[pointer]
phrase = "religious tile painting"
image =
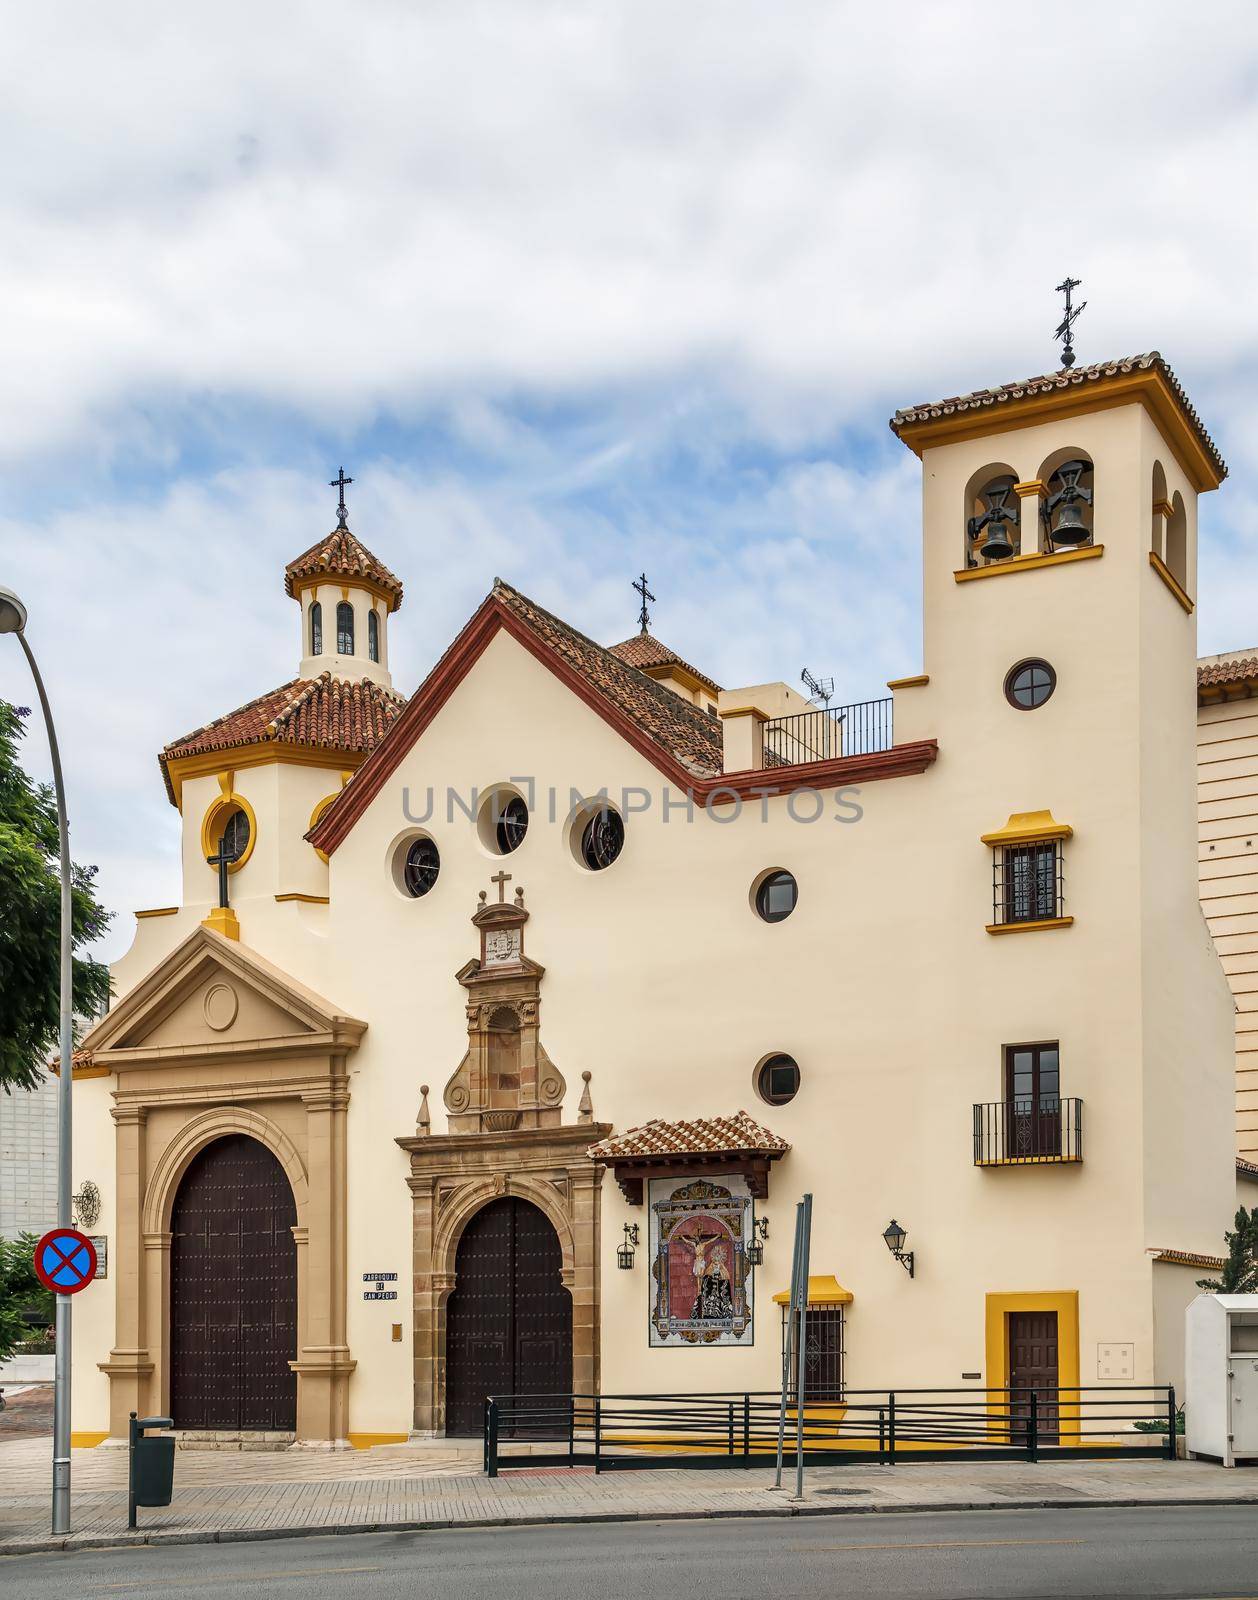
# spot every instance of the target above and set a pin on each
(701, 1282)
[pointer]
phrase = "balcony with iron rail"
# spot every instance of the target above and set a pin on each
(829, 732)
(1023, 1133)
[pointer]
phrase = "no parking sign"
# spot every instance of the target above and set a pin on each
(65, 1260)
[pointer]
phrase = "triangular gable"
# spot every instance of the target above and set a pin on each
(213, 997)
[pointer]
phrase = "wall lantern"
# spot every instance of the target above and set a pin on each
(624, 1256)
(755, 1250)
(894, 1236)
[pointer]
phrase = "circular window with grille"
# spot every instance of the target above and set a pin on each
(1029, 684)
(777, 1079)
(416, 866)
(597, 835)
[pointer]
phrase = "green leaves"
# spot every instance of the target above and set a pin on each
(30, 919)
(1240, 1270)
(24, 1301)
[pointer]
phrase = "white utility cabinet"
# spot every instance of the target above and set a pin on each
(1221, 1373)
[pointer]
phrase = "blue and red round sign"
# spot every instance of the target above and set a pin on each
(65, 1260)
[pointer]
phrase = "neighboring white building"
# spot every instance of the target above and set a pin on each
(575, 941)
(28, 1159)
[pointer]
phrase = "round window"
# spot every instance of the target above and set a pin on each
(776, 896)
(235, 837)
(1029, 684)
(421, 867)
(511, 826)
(777, 1080)
(602, 839)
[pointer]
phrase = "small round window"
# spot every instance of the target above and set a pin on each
(602, 839)
(511, 826)
(777, 1080)
(776, 896)
(234, 842)
(1030, 684)
(421, 867)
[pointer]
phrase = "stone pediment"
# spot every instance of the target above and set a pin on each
(213, 998)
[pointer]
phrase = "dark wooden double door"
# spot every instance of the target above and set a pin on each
(233, 1292)
(1033, 1367)
(509, 1318)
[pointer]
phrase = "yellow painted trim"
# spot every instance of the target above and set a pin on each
(1163, 508)
(1028, 1161)
(823, 1290)
(688, 680)
(1030, 927)
(87, 1441)
(1147, 388)
(909, 683)
(315, 816)
(327, 581)
(1026, 826)
(1035, 486)
(743, 711)
(1065, 1302)
(368, 1441)
(222, 919)
(1042, 558)
(227, 802)
(1168, 578)
(306, 899)
(209, 763)
(158, 911)
(81, 1074)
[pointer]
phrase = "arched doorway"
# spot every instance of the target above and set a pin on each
(509, 1319)
(233, 1292)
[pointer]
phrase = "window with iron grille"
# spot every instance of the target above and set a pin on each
(823, 1355)
(373, 636)
(345, 629)
(1028, 883)
(316, 629)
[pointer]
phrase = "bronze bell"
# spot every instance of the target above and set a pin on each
(1069, 502)
(998, 545)
(1070, 527)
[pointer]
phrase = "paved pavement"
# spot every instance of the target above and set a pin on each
(1202, 1551)
(223, 1496)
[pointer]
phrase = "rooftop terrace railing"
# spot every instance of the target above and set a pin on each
(860, 729)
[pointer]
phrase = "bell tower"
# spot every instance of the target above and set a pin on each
(346, 597)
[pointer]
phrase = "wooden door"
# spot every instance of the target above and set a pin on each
(509, 1318)
(233, 1292)
(1033, 1366)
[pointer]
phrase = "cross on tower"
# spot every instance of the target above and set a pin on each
(1064, 330)
(644, 616)
(339, 482)
(502, 879)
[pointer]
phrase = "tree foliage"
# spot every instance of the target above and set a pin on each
(30, 919)
(1240, 1270)
(23, 1299)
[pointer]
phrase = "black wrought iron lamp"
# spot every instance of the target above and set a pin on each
(755, 1250)
(624, 1256)
(893, 1237)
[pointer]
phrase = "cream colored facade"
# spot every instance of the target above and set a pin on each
(886, 984)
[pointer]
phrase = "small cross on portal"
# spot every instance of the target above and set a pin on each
(224, 859)
(644, 616)
(1065, 328)
(502, 879)
(339, 482)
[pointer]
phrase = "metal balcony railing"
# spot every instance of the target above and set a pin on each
(860, 729)
(1012, 1133)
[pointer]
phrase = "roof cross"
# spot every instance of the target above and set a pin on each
(339, 482)
(644, 616)
(1065, 327)
(502, 879)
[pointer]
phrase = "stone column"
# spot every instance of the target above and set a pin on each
(324, 1364)
(130, 1364)
(157, 1319)
(584, 1184)
(1031, 496)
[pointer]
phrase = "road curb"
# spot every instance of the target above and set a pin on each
(73, 1543)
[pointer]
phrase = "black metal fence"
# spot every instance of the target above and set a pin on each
(1023, 1132)
(633, 1432)
(860, 729)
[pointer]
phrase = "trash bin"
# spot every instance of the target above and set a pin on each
(151, 1474)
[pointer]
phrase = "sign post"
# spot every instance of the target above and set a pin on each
(65, 1261)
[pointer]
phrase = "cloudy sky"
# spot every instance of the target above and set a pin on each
(571, 290)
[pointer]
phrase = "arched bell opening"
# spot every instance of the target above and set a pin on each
(1160, 513)
(1068, 515)
(1177, 541)
(992, 523)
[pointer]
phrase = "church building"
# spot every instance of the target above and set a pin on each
(500, 1028)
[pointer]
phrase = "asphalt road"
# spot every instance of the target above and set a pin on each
(1190, 1551)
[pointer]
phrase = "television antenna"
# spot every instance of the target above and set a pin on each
(819, 689)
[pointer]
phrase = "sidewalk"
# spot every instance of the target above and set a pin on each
(223, 1496)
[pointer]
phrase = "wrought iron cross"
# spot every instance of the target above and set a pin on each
(644, 616)
(339, 482)
(502, 879)
(224, 859)
(1066, 326)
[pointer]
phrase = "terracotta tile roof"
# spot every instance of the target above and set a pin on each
(1189, 1258)
(1246, 1169)
(1005, 393)
(323, 713)
(736, 1135)
(645, 650)
(690, 735)
(339, 554)
(1241, 668)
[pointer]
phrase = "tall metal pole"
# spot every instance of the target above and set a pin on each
(65, 1087)
(787, 1336)
(805, 1251)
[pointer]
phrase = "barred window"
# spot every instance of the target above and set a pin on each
(345, 629)
(1028, 882)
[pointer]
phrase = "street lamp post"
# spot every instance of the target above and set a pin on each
(13, 620)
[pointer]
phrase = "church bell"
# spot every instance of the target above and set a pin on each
(1068, 502)
(997, 545)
